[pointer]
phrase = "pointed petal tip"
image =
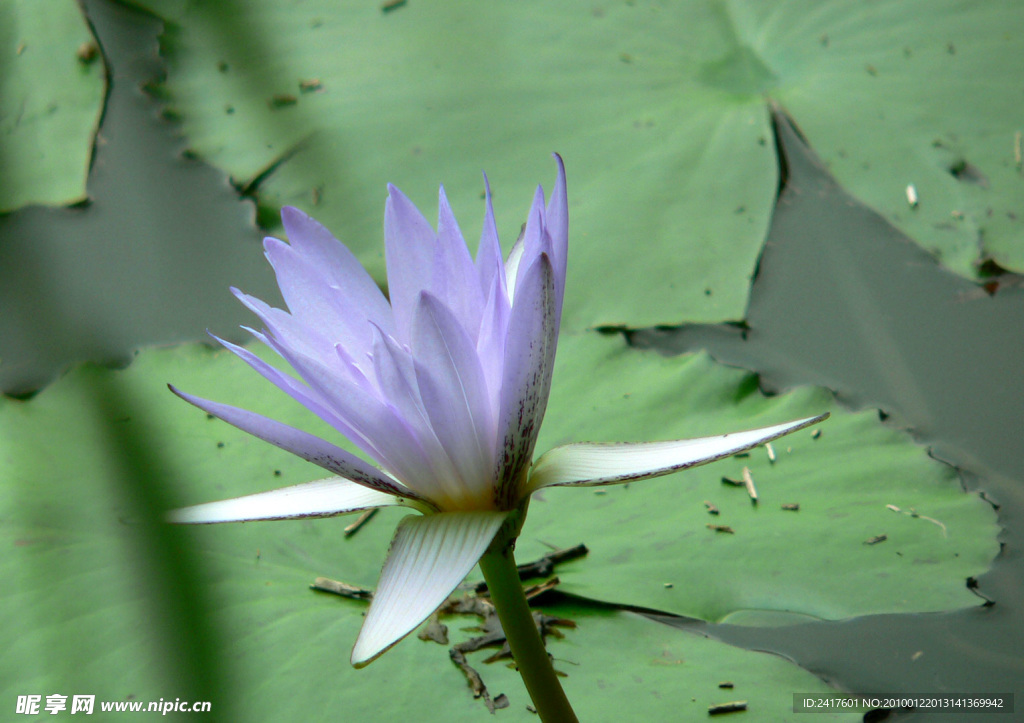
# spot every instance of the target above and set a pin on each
(230, 346)
(360, 658)
(190, 398)
(272, 244)
(559, 189)
(291, 213)
(799, 424)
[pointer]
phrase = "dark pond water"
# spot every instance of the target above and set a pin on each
(840, 300)
(843, 300)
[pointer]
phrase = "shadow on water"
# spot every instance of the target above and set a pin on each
(156, 224)
(843, 300)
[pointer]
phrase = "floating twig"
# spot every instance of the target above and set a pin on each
(475, 682)
(324, 584)
(731, 707)
(748, 482)
(917, 515)
(912, 200)
(544, 565)
(358, 524)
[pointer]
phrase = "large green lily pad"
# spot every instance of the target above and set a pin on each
(658, 107)
(103, 598)
(51, 92)
(854, 480)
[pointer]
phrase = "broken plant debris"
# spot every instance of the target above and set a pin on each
(479, 605)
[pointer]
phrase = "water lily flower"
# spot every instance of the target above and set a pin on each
(444, 386)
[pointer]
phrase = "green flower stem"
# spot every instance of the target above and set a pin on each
(499, 567)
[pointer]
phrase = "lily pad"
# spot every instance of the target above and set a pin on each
(617, 665)
(110, 601)
(51, 90)
(879, 526)
(658, 108)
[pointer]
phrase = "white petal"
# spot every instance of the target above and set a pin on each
(512, 267)
(429, 557)
(323, 498)
(589, 464)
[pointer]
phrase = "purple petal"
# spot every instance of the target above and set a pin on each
(556, 221)
(488, 254)
(289, 385)
(535, 237)
(455, 280)
(305, 445)
(331, 312)
(374, 426)
(342, 270)
(490, 344)
(533, 242)
(355, 413)
(284, 328)
(395, 372)
(454, 394)
(529, 362)
(409, 244)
